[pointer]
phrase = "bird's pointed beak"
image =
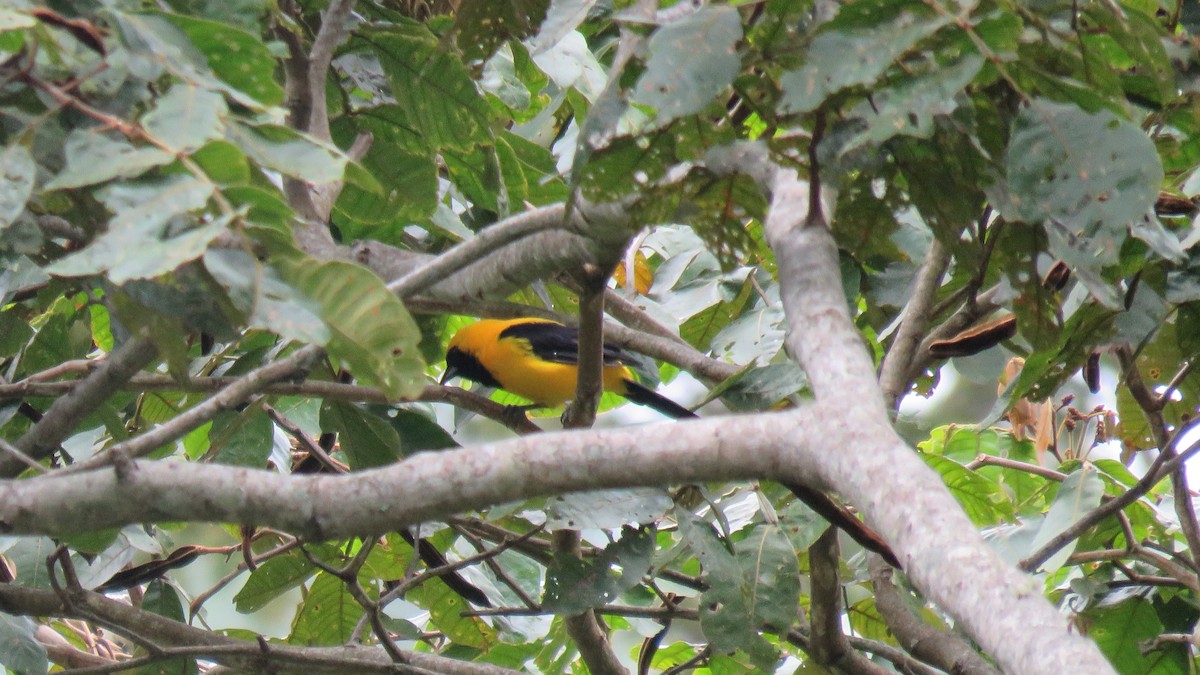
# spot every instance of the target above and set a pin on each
(451, 372)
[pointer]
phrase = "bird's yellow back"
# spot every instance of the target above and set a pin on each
(513, 363)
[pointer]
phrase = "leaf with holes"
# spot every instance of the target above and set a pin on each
(574, 585)
(691, 62)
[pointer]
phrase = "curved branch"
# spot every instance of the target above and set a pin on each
(145, 382)
(491, 238)
(895, 375)
(535, 256)
(1152, 407)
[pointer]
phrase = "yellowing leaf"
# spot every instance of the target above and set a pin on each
(643, 276)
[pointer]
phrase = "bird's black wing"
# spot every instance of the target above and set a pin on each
(557, 343)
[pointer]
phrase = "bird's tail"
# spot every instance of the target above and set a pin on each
(652, 399)
(818, 501)
(839, 517)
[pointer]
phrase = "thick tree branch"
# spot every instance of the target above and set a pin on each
(945, 557)
(589, 385)
(329, 36)
(424, 487)
(584, 628)
(305, 76)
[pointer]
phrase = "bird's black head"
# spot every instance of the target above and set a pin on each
(464, 364)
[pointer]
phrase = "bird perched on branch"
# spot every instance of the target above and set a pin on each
(538, 359)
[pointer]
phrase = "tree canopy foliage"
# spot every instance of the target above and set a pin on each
(236, 238)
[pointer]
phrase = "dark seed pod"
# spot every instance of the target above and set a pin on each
(976, 339)
(1091, 372)
(1057, 277)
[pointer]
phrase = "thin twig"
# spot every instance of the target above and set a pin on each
(60, 420)
(1157, 471)
(896, 374)
(244, 387)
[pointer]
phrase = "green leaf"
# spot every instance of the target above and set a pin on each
(19, 273)
(239, 58)
(908, 109)
(1157, 362)
(852, 52)
(289, 152)
(367, 440)
(480, 26)
(1079, 494)
(410, 184)
(28, 555)
(417, 431)
(445, 613)
(691, 62)
(1089, 174)
(759, 388)
(20, 652)
(14, 331)
(266, 210)
(242, 439)
(93, 542)
(272, 579)
(161, 599)
(772, 576)
(982, 499)
(1119, 629)
(727, 614)
(139, 243)
(607, 509)
(269, 303)
(94, 158)
(574, 585)
(18, 171)
(186, 117)
(372, 332)
(438, 105)
(528, 170)
(1144, 66)
(224, 163)
(328, 614)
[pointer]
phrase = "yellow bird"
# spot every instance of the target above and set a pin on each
(538, 359)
